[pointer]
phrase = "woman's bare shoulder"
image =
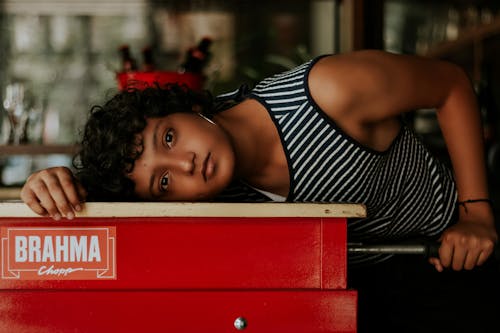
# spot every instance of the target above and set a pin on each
(347, 89)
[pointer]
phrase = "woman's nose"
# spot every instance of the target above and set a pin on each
(181, 162)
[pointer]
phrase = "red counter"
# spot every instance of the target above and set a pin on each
(177, 267)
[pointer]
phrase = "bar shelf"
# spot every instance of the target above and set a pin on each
(36, 149)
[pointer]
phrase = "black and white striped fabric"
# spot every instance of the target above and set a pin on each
(407, 192)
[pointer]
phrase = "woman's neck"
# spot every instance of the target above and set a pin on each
(242, 133)
(259, 156)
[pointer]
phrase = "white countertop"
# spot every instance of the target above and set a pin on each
(185, 209)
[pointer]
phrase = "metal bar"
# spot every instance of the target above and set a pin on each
(391, 249)
(428, 249)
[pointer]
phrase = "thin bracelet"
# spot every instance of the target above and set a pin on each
(463, 203)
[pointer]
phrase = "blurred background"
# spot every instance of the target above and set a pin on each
(59, 57)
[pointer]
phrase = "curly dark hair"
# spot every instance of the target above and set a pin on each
(112, 142)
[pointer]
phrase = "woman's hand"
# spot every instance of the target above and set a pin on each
(468, 243)
(53, 192)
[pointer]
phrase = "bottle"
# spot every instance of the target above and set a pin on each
(197, 57)
(128, 62)
(148, 64)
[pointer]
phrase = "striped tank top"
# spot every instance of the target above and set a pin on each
(407, 192)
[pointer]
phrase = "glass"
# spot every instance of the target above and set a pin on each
(17, 112)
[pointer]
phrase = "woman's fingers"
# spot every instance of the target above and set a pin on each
(31, 200)
(73, 193)
(484, 255)
(82, 194)
(53, 192)
(446, 254)
(51, 197)
(458, 257)
(436, 263)
(460, 251)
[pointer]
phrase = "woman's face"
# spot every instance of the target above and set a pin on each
(185, 158)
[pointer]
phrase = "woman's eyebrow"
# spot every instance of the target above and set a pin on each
(151, 185)
(155, 145)
(155, 134)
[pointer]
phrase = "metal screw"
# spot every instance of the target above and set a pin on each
(240, 323)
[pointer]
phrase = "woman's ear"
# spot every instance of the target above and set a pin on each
(197, 108)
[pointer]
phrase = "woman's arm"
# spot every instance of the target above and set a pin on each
(367, 90)
(470, 242)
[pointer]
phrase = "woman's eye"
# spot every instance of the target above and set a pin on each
(169, 137)
(164, 183)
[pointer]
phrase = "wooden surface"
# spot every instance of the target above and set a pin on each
(152, 209)
(34, 149)
(10, 193)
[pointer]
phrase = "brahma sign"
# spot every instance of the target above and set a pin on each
(76, 253)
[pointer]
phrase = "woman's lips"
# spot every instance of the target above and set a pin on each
(208, 167)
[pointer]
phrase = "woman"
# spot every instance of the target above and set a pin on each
(329, 130)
